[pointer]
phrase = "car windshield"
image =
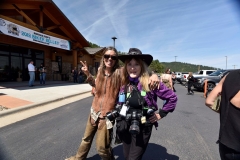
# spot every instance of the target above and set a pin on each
(217, 73)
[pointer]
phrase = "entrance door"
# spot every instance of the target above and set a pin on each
(4, 68)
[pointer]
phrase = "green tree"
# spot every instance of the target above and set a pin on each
(92, 45)
(156, 66)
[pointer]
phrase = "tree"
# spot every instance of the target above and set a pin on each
(92, 45)
(156, 66)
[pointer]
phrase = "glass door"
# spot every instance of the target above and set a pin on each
(4, 68)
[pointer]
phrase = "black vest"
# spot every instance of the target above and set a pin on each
(229, 134)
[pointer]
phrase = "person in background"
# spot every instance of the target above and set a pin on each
(166, 78)
(229, 134)
(173, 80)
(42, 74)
(80, 75)
(190, 83)
(75, 75)
(107, 86)
(141, 104)
(31, 72)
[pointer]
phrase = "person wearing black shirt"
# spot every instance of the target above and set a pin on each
(75, 74)
(80, 75)
(42, 74)
(229, 134)
(190, 83)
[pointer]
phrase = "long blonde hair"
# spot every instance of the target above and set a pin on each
(115, 74)
(144, 74)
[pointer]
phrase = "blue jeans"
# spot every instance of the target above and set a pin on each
(42, 78)
(80, 79)
(32, 78)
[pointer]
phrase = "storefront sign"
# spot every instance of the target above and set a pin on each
(15, 30)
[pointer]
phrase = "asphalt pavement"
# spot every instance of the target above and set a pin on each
(189, 133)
(18, 96)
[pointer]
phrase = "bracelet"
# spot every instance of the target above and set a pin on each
(162, 113)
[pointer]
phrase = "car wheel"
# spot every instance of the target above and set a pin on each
(210, 86)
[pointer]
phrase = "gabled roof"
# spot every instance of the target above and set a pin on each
(42, 16)
(93, 51)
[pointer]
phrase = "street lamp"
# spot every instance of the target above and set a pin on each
(114, 41)
(226, 62)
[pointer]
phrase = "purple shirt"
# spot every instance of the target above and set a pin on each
(163, 93)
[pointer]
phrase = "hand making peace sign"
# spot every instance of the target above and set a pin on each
(84, 67)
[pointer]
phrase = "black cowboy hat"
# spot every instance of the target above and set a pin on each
(136, 53)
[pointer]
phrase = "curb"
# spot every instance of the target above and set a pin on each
(15, 110)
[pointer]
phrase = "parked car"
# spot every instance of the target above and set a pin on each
(184, 76)
(213, 79)
(178, 76)
(203, 73)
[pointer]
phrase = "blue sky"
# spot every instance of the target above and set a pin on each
(197, 32)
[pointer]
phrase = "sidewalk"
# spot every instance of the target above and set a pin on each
(17, 96)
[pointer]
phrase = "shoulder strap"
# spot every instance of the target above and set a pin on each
(138, 92)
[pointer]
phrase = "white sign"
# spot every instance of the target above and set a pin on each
(15, 30)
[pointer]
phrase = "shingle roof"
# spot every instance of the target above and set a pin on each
(93, 50)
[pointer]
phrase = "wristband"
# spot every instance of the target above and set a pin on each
(162, 113)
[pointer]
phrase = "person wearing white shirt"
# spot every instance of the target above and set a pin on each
(31, 71)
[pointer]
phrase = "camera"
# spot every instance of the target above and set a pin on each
(134, 116)
(114, 114)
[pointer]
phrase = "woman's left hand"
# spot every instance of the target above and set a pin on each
(154, 82)
(154, 118)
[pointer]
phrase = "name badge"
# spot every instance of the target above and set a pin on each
(124, 110)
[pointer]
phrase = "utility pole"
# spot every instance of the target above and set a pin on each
(175, 58)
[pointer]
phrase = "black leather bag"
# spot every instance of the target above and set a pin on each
(121, 130)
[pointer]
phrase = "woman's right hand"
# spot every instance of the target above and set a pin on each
(84, 67)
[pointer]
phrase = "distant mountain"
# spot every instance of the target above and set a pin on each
(185, 67)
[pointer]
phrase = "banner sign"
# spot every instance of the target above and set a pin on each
(15, 30)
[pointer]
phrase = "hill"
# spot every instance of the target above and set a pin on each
(184, 67)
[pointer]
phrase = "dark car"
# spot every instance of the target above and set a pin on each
(213, 79)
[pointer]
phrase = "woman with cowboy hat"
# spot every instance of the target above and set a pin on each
(107, 85)
(139, 110)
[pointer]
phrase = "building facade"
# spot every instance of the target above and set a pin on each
(38, 30)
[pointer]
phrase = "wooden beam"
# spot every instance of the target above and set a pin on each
(22, 6)
(33, 27)
(57, 23)
(24, 15)
(66, 32)
(51, 16)
(20, 23)
(41, 19)
(34, 11)
(52, 27)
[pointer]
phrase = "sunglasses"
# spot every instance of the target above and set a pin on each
(107, 56)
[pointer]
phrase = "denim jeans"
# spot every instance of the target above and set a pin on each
(227, 153)
(32, 78)
(42, 78)
(80, 79)
(103, 142)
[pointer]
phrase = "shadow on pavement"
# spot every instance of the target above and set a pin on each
(153, 152)
(24, 85)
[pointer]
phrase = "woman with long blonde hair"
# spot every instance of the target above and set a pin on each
(107, 85)
(139, 104)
